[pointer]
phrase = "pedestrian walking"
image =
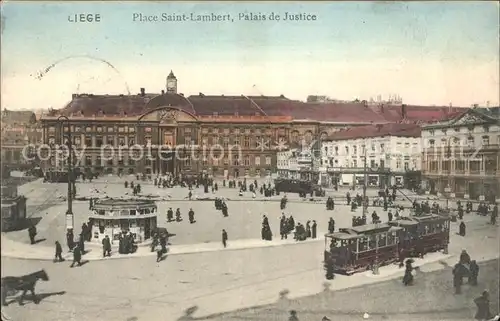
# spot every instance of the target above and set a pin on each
(77, 256)
(224, 238)
(58, 257)
(313, 229)
(483, 307)
(32, 234)
(106, 246)
(70, 240)
(81, 243)
(461, 229)
(474, 272)
(159, 253)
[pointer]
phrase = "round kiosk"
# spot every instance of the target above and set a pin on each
(114, 217)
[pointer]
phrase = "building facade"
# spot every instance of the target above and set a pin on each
(202, 131)
(384, 152)
(19, 130)
(461, 156)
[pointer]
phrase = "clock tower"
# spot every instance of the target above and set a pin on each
(171, 83)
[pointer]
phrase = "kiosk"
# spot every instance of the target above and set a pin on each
(114, 217)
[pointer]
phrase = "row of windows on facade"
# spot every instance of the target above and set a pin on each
(235, 160)
(471, 141)
(215, 130)
(248, 142)
(354, 163)
(488, 165)
(150, 170)
(469, 129)
(335, 150)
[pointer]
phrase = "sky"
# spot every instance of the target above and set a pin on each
(430, 53)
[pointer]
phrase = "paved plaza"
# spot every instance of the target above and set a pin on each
(212, 281)
(46, 201)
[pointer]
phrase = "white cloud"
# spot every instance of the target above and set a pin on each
(418, 82)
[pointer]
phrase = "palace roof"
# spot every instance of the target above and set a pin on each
(89, 105)
(379, 130)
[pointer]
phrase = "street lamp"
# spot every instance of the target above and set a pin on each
(70, 221)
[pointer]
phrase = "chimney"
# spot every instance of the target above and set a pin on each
(163, 92)
(143, 92)
(403, 111)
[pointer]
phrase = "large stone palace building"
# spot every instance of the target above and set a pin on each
(197, 123)
(461, 156)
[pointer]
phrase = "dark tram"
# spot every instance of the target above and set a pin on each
(357, 249)
(298, 186)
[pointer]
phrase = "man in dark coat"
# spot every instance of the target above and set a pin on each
(106, 246)
(81, 243)
(191, 216)
(32, 234)
(331, 225)
(224, 238)
(313, 229)
(58, 256)
(474, 272)
(283, 227)
(308, 229)
(389, 216)
(170, 215)
(70, 239)
(224, 209)
(483, 307)
(461, 229)
(77, 256)
(458, 278)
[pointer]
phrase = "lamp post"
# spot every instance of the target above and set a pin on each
(70, 220)
(375, 269)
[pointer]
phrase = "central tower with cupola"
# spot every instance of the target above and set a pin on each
(171, 83)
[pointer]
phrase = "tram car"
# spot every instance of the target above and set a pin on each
(356, 249)
(297, 186)
(423, 234)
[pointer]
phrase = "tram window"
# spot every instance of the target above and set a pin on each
(116, 224)
(101, 229)
(147, 211)
(363, 244)
(141, 211)
(343, 243)
(124, 212)
(391, 238)
(372, 242)
(382, 241)
(426, 229)
(100, 212)
(132, 212)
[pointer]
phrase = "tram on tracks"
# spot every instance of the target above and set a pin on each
(356, 249)
(423, 234)
(302, 187)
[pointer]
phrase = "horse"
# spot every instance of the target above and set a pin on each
(12, 284)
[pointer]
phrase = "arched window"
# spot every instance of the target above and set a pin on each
(295, 136)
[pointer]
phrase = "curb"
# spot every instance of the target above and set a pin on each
(68, 256)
